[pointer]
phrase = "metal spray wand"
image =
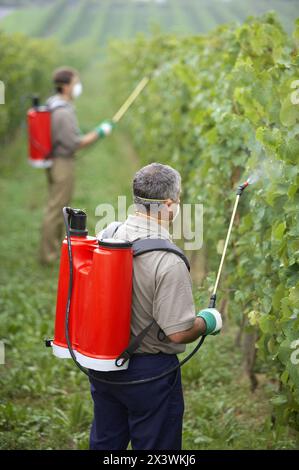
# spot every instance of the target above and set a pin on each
(213, 297)
(127, 104)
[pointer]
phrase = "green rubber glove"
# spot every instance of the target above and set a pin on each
(213, 320)
(105, 128)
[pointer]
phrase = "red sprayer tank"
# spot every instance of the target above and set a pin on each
(39, 136)
(100, 312)
(105, 329)
(82, 249)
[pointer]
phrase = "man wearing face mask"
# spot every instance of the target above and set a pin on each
(66, 140)
(150, 415)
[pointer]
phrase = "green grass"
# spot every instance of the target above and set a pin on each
(220, 411)
(70, 24)
(56, 19)
(85, 20)
(26, 21)
(99, 20)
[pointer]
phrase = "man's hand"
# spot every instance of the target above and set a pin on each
(213, 320)
(104, 129)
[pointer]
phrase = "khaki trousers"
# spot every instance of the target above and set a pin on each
(61, 186)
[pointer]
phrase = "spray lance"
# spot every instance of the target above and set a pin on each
(67, 214)
(139, 88)
(105, 127)
(136, 92)
(134, 95)
(240, 190)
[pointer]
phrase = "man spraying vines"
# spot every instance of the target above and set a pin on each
(150, 415)
(66, 140)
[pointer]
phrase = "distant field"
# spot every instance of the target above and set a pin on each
(99, 20)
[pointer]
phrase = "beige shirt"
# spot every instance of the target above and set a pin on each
(162, 289)
(64, 127)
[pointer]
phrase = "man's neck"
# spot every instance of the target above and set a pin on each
(162, 222)
(64, 97)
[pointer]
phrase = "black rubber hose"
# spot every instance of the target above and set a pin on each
(67, 317)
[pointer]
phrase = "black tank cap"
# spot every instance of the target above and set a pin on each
(77, 222)
(113, 243)
(35, 101)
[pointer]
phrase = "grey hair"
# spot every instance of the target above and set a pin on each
(156, 181)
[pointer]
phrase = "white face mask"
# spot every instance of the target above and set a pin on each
(77, 90)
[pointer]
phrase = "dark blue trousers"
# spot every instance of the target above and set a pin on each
(149, 415)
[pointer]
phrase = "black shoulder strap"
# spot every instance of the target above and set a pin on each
(141, 246)
(145, 245)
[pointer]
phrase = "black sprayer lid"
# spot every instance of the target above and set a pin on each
(35, 101)
(114, 243)
(77, 223)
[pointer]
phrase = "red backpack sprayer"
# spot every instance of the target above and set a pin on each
(39, 127)
(39, 135)
(93, 311)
